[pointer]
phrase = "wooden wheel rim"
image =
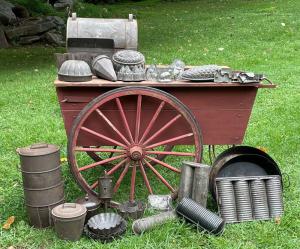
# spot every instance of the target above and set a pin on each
(118, 93)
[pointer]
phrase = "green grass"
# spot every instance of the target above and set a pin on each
(253, 39)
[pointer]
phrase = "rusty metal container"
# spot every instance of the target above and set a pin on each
(69, 220)
(42, 181)
(98, 34)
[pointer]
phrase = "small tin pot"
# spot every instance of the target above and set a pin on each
(68, 219)
(92, 205)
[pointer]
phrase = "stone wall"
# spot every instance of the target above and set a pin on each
(18, 28)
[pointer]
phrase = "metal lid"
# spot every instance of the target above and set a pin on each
(89, 201)
(69, 210)
(128, 57)
(38, 149)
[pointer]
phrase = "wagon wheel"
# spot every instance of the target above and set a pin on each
(138, 142)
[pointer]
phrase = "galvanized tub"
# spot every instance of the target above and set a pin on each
(69, 220)
(42, 181)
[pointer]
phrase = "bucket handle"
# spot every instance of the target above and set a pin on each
(39, 146)
(69, 205)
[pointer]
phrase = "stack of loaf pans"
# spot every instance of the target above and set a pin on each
(249, 198)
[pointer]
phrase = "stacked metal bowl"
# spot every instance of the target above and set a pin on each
(105, 227)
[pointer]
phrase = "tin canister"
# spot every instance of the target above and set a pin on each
(42, 181)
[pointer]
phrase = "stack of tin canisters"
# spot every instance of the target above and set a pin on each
(249, 198)
(42, 182)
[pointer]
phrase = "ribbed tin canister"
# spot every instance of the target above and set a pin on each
(274, 193)
(200, 216)
(259, 199)
(42, 181)
(243, 200)
(226, 200)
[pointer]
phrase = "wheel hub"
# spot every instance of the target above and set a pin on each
(136, 153)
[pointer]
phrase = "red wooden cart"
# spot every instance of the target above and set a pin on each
(148, 127)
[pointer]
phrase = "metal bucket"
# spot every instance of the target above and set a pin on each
(69, 220)
(42, 181)
(240, 161)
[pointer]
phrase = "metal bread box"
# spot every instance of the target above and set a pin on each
(88, 37)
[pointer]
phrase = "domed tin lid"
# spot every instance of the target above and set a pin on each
(69, 210)
(89, 201)
(128, 57)
(38, 149)
(75, 71)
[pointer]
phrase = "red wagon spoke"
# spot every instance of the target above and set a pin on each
(101, 162)
(99, 150)
(138, 118)
(116, 167)
(111, 125)
(145, 178)
(94, 185)
(163, 180)
(155, 116)
(174, 153)
(169, 140)
(124, 172)
(121, 110)
(167, 125)
(163, 164)
(132, 187)
(97, 134)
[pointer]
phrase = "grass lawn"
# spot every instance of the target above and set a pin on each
(260, 36)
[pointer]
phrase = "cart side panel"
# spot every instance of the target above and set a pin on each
(223, 113)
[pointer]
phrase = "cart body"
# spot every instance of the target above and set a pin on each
(221, 109)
